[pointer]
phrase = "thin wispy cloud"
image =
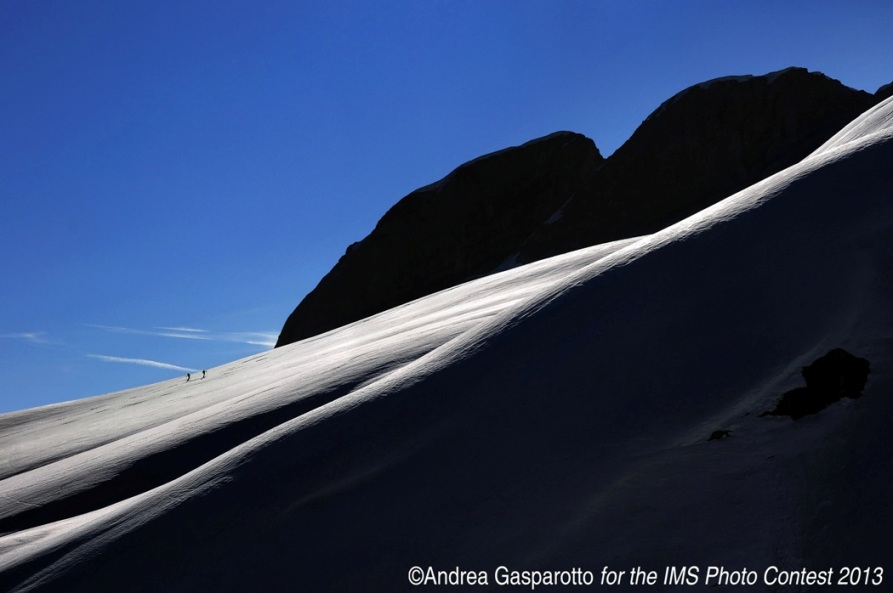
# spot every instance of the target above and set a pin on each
(32, 337)
(266, 339)
(180, 335)
(184, 334)
(140, 361)
(255, 338)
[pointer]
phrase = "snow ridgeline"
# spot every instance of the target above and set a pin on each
(549, 417)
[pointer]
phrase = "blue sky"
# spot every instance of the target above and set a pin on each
(175, 176)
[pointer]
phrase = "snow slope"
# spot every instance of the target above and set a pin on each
(549, 417)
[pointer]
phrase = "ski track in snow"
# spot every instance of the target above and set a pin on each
(551, 415)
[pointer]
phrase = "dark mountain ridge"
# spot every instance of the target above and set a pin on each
(700, 146)
(557, 194)
(448, 232)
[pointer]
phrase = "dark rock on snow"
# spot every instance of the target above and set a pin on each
(556, 194)
(830, 378)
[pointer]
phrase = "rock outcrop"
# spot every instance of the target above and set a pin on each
(443, 234)
(829, 379)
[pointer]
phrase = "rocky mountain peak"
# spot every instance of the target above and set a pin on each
(456, 229)
(701, 145)
(556, 194)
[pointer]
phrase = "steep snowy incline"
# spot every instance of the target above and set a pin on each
(65, 459)
(569, 428)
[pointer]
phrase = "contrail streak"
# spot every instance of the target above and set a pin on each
(140, 361)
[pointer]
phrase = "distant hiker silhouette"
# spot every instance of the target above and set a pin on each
(203, 374)
(188, 376)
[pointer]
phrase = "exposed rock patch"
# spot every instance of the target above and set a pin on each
(829, 379)
(718, 435)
